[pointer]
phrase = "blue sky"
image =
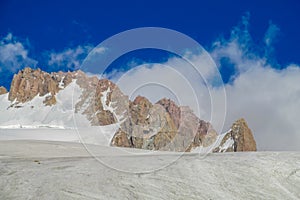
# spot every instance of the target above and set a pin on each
(44, 27)
(255, 45)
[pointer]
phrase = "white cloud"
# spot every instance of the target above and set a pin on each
(14, 55)
(99, 50)
(70, 58)
(270, 39)
(271, 34)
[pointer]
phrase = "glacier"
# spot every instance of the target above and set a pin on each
(64, 170)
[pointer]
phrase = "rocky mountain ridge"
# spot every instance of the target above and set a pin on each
(160, 126)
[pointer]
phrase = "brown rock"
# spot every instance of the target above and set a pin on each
(163, 126)
(29, 83)
(240, 137)
(243, 137)
(147, 126)
(165, 138)
(3, 90)
(50, 100)
(139, 110)
(205, 134)
(101, 100)
(68, 78)
(103, 116)
(121, 140)
(172, 109)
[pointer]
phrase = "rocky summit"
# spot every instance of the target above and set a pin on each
(29, 83)
(238, 138)
(163, 125)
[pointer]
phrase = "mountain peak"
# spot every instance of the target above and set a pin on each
(243, 137)
(141, 99)
(238, 138)
(28, 83)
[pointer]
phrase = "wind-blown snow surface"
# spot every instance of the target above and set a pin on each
(91, 135)
(47, 170)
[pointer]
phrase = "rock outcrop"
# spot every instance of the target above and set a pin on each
(203, 133)
(146, 126)
(162, 126)
(239, 138)
(29, 83)
(3, 90)
(101, 101)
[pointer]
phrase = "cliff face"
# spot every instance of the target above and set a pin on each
(201, 132)
(160, 126)
(29, 83)
(146, 126)
(242, 136)
(239, 138)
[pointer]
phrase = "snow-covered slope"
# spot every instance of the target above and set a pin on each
(34, 113)
(45, 170)
(91, 135)
(203, 150)
(33, 120)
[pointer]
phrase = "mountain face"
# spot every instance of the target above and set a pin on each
(238, 138)
(162, 126)
(141, 124)
(29, 83)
